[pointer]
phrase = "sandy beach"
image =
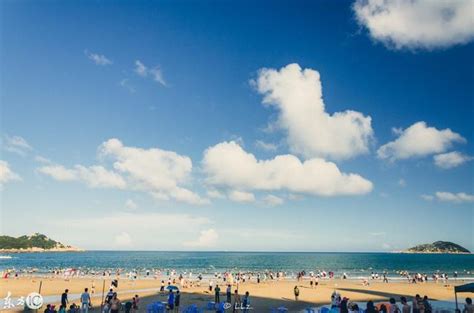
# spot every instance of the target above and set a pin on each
(263, 296)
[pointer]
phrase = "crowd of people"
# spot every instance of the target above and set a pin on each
(225, 289)
(417, 305)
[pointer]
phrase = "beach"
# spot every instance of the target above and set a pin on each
(264, 295)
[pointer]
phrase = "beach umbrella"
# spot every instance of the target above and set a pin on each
(463, 288)
(172, 288)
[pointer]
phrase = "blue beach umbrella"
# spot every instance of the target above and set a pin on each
(173, 288)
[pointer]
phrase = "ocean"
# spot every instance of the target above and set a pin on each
(354, 264)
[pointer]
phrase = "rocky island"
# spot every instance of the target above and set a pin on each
(438, 247)
(33, 243)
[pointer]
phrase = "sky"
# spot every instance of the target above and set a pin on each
(238, 126)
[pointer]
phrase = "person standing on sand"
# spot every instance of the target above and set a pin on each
(115, 304)
(228, 294)
(406, 308)
(171, 300)
(85, 301)
(237, 302)
(217, 297)
(246, 302)
(415, 304)
(343, 305)
(135, 302)
(64, 300)
(468, 307)
(393, 306)
(296, 291)
(370, 308)
(427, 305)
(177, 301)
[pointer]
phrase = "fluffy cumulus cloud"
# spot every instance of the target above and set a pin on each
(207, 239)
(415, 24)
(427, 197)
(6, 174)
(16, 144)
(459, 197)
(419, 140)
(160, 172)
(272, 200)
(98, 59)
(155, 73)
(215, 194)
(312, 132)
(241, 196)
(93, 176)
(228, 165)
(451, 159)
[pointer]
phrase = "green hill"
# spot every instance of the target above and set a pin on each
(438, 247)
(35, 241)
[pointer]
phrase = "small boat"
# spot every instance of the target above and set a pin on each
(5, 257)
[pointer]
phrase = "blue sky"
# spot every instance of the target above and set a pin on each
(132, 125)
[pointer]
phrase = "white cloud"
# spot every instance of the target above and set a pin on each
(296, 197)
(414, 24)
(451, 159)
(146, 229)
(216, 194)
(272, 200)
(241, 196)
(155, 73)
(131, 205)
(266, 146)
(58, 172)
(41, 159)
(98, 176)
(207, 238)
(312, 132)
(227, 164)
(140, 68)
(123, 239)
(419, 140)
(98, 59)
(93, 176)
(427, 197)
(125, 84)
(454, 197)
(16, 144)
(160, 172)
(6, 174)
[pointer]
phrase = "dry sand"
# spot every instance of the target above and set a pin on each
(263, 296)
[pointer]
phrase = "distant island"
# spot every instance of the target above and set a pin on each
(33, 243)
(438, 247)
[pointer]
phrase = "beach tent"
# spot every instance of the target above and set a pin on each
(463, 288)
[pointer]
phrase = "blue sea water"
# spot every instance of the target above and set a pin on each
(354, 264)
